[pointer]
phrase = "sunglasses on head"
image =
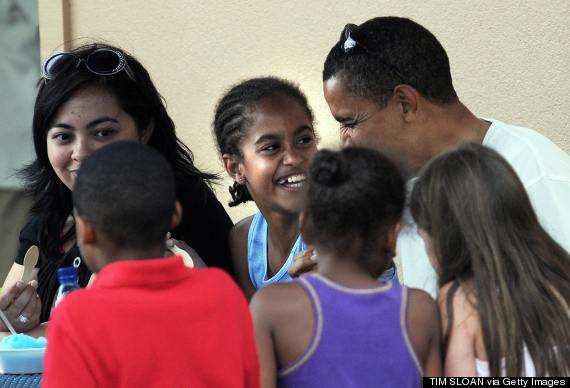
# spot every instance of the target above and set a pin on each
(349, 34)
(102, 61)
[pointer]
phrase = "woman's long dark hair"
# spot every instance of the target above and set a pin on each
(140, 99)
(484, 230)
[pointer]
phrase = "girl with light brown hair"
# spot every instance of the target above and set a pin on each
(504, 282)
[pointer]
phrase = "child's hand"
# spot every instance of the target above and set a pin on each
(196, 259)
(304, 262)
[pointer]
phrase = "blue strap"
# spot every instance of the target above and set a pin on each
(257, 254)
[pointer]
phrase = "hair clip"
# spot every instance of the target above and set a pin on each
(349, 43)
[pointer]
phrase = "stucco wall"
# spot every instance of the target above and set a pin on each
(509, 59)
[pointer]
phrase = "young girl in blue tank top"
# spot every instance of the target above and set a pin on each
(264, 130)
(265, 134)
(342, 327)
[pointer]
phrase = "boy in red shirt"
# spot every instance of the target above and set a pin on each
(147, 320)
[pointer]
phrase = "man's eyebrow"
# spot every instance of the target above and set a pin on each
(343, 119)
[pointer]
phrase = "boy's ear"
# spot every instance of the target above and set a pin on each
(393, 233)
(408, 100)
(84, 230)
(233, 167)
(176, 216)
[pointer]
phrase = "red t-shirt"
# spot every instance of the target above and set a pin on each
(153, 323)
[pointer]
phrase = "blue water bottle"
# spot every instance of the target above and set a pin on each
(68, 282)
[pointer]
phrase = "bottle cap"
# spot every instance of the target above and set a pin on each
(67, 272)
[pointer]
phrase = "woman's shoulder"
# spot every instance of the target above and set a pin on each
(30, 228)
(29, 235)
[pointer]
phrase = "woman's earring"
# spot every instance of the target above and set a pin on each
(241, 180)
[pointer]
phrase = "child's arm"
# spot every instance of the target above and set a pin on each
(238, 249)
(423, 321)
(260, 306)
(460, 352)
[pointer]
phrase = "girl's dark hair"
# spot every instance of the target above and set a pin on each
(140, 99)
(354, 197)
(373, 58)
(484, 229)
(234, 115)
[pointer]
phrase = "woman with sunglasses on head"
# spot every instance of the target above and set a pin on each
(90, 97)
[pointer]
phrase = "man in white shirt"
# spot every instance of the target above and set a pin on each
(388, 83)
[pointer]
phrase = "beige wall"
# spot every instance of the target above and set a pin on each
(509, 59)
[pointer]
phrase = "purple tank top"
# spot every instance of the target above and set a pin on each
(360, 339)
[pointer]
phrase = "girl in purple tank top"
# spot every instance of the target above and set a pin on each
(342, 327)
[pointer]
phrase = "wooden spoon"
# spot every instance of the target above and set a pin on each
(30, 261)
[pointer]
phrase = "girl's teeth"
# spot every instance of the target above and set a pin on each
(295, 179)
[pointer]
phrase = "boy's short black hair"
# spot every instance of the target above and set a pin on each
(376, 56)
(127, 191)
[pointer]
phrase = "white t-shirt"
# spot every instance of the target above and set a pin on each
(544, 170)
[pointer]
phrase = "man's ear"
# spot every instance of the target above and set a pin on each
(84, 231)
(176, 216)
(233, 167)
(393, 233)
(408, 99)
(147, 133)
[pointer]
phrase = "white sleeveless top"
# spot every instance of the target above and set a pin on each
(482, 367)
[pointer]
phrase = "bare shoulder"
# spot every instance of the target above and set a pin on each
(422, 309)
(442, 296)
(424, 331)
(240, 230)
(464, 307)
(278, 301)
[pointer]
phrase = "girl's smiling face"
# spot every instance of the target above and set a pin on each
(89, 120)
(277, 150)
